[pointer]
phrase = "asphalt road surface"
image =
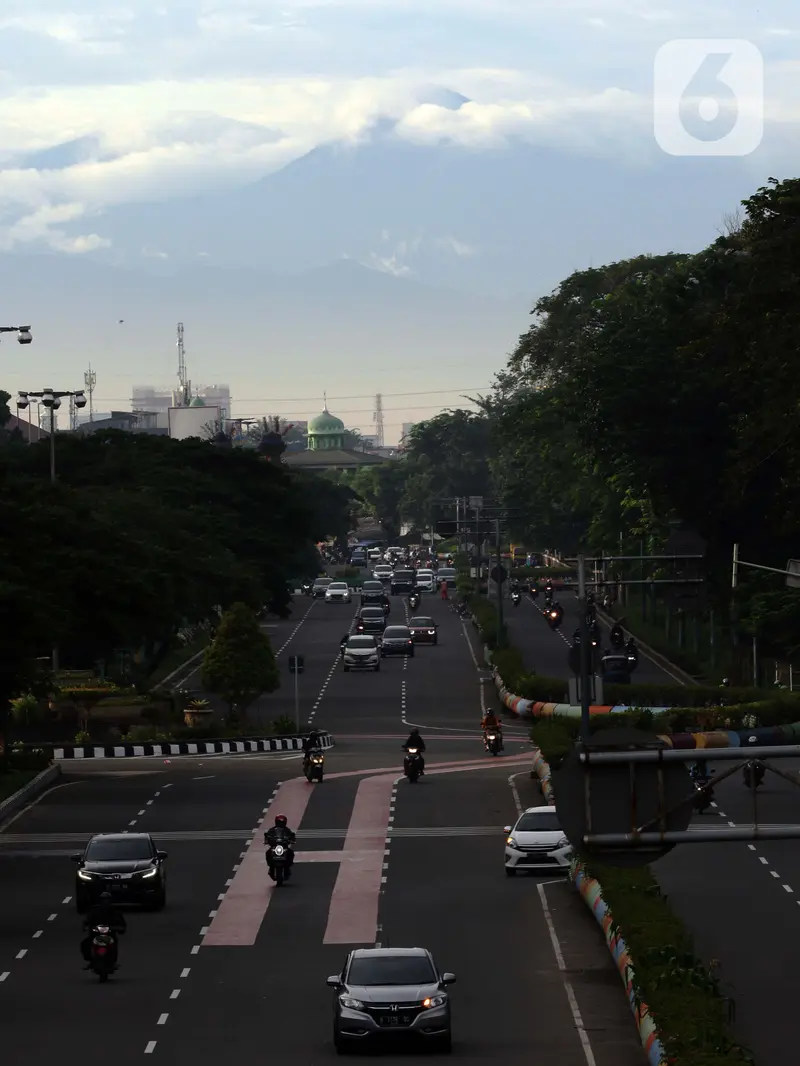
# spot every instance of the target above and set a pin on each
(545, 650)
(741, 903)
(230, 970)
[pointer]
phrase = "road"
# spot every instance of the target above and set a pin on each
(741, 902)
(545, 651)
(226, 971)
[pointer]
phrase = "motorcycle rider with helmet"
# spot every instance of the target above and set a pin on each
(102, 913)
(312, 742)
(280, 833)
(490, 723)
(416, 741)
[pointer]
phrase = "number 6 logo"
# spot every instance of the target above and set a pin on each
(708, 97)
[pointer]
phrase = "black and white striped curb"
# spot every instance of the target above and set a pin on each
(185, 747)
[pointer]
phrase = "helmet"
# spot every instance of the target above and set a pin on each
(752, 740)
(281, 820)
(105, 897)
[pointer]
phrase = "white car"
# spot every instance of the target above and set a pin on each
(374, 553)
(383, 572)
(426, 580)
(338, 592)
(361, 652)
(531, 843)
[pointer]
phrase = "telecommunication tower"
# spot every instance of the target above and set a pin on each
(183, 397)
(377, 418)
(90, 380)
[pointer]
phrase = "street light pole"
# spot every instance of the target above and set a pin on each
(23, 333)
(51, 399)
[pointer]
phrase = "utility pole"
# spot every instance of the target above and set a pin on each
(586, 653)
(90, 380)
(501, 628)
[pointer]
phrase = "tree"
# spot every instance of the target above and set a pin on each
(239, 665)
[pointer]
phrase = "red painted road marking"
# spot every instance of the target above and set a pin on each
(333, 856)
(353, 914)
(239, 916)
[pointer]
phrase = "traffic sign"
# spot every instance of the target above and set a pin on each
(297, 664)
(498, 574)
(658, 795)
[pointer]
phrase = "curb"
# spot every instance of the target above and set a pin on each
(592, 894)
(183, 747)
(34, 788)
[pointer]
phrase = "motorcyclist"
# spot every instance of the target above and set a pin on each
(490, 723)
(416, 741)
(280, 833)
(312, 742)
(443, 589)
(102, 913)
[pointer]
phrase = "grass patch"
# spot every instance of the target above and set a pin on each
(177, 656)
(14, 780)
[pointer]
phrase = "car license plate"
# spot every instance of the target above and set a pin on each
(395, 1019)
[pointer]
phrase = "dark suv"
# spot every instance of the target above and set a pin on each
(128, 865)
(403, 581)
(373, 594)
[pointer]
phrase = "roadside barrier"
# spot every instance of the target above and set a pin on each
(592, 895)
(533, 709)
(185, 747)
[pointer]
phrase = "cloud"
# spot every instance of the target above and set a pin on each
(105, 104)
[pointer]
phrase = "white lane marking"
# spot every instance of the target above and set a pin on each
(774, 874)
(514, 791)
(577, 1018)
(140, 813)
(66, 899)
(37, 934)
(162, 1019)
(21, 954)
(151, 1046)
(185, 971)
(752, 847)
(52, 917)
(195, 950)
(787, 888)
(4, 976)
(732, 825)
(174, 993)
(762, 859)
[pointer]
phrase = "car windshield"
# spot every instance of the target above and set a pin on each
(404, 573)
(396, 631)
(361, 642)
(338, 586)
(545, 821)
(421, 623)
(372, 612)
(372, 586)
(118, 850)
(391, 970)
(323, 581)
(444, 572)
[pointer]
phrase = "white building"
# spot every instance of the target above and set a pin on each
(216, 396)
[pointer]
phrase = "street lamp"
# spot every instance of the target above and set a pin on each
(23, 333)
(51, 399)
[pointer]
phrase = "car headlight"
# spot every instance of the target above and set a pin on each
(431, 632)
(563, 843)
(350, 1003)
(151, 872)
(511, 841)
(434, 1001)
(84, 875)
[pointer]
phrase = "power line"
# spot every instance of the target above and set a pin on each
(310, 399)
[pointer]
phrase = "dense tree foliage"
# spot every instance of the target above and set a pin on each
(141, 535)
(239, 664)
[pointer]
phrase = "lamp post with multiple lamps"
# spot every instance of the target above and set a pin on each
(51, 399)
(23, 333)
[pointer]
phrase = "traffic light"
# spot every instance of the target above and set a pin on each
(554, 615)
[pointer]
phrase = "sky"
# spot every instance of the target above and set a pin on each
(165, 100)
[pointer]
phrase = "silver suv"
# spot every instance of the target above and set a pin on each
(361, 653)
(391, 993)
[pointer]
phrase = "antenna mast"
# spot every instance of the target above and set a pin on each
(184, 395)
(377, 418)
(90, 380)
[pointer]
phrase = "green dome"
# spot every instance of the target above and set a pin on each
(326, 423)
(198, 401)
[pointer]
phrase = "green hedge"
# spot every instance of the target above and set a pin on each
(525, 573)
(682, 994)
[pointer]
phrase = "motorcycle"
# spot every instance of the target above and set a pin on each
(515, 598)
(703, 794)
(753, 774)
(103, 958)
(493, 743)
(315, 766)
(412, 765)
(413, 601)
(306, 588)
(279, 859)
